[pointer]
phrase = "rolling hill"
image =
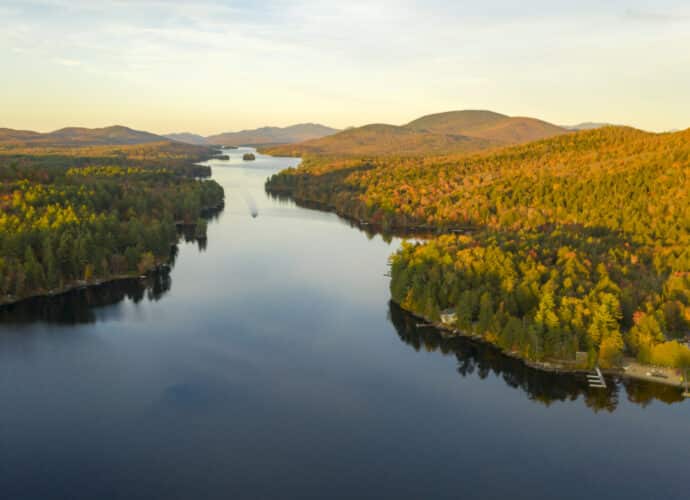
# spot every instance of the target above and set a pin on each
(272, 135)
(450, 132)
(79, 136)
(11, 135)
(378, 139)
(453, 122)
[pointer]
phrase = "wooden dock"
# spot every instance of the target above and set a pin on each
(596, 379)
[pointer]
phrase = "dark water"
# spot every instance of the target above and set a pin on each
(269, 364)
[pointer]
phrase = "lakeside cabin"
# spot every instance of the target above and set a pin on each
(449, 317)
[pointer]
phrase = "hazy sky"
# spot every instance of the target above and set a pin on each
(211, 66)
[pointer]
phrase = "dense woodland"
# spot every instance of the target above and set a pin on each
(75, 215)
(575, 243)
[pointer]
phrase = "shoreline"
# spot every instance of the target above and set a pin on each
(162, 268)
(395, 230)
(449, 332)
(632, 370)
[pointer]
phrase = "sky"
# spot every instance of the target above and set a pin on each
(213, 66)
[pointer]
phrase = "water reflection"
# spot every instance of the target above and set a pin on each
(483, 360)
(369, 229)
(80, 306)
(188, 234)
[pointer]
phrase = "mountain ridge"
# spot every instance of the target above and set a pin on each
(446, 132)
(122, 135)
(188, 138)
(79, 136)
(272, 135)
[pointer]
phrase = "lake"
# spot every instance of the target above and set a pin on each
(270, 364)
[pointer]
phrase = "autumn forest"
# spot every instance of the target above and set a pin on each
(75, 215)
(574, 243)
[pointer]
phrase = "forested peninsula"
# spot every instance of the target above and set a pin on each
(73, 215)
(578, 243)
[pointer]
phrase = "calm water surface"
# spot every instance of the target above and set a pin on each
(271, 365)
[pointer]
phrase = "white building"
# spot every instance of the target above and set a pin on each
(449, 317)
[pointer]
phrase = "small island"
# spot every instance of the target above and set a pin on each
(248, 157)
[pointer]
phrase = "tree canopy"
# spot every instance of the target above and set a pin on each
(79, 217)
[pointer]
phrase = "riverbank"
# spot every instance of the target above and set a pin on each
(348, 206)
(631, 369)
(162, 266)
(83, 284)
(356, 214)
(402, 231)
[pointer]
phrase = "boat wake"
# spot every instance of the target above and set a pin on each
(251, 204)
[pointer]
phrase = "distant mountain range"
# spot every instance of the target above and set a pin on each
(273, 135)
(79, 136)
(588, 126)
(454, 131)
(119, 135)
(189, 138)
(259, 137)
